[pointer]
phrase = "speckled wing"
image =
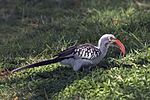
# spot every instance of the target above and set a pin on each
(87, 51)
(83, 51)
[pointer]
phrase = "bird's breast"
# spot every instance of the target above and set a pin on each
(97, 60)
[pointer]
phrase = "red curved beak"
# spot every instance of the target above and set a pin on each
(121, 46)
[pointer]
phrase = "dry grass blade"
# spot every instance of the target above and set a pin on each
(139, 4)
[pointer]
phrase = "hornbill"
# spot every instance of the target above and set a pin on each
(83, 55)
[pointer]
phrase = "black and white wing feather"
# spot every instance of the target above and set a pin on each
(83, 51)
(87, 51)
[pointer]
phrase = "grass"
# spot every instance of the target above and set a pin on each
(32, 31)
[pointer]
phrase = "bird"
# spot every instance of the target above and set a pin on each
(83, 55)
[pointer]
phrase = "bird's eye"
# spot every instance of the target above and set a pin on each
(110, 39)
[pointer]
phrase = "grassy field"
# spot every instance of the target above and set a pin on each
(35, 30)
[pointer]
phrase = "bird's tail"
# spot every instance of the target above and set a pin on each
(46, 62)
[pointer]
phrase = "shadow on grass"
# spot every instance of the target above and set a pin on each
(47, 84)
(53, 82)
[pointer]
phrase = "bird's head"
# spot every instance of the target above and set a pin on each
(108, 40)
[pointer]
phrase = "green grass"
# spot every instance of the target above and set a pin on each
(32, 31)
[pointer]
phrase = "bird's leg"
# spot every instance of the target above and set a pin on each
(77, 74)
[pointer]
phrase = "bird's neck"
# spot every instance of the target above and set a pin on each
(103, 48)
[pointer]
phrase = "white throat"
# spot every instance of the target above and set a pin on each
(102, 46)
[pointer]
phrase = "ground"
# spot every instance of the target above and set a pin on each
(36, 30)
